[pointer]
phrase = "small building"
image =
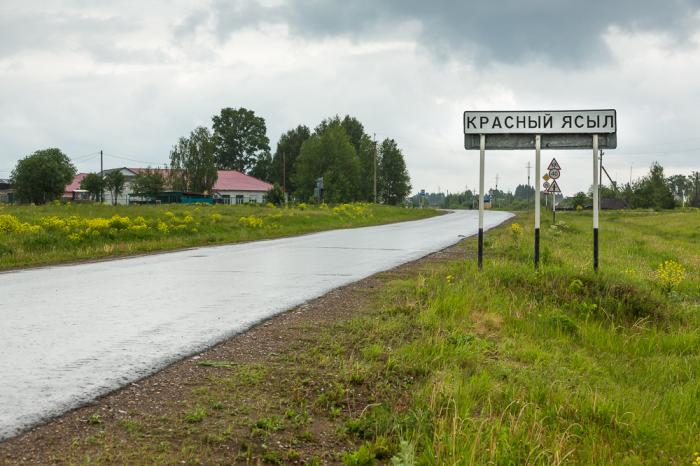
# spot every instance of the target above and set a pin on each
(7, 192)
(231, 187)
(234, 187)
(73, 192)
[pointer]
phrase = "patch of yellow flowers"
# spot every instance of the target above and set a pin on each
(516, 230)
(670, 275)
(77, 228)
(251, 221)
(353, 210)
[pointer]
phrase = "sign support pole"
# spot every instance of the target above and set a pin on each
(538, 144)
(482, 160)
(595, 202)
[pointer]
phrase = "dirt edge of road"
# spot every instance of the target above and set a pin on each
(80, 435)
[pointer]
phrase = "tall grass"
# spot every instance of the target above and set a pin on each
(562, 365)
(35, 235)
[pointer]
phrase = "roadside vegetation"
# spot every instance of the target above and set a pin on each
(446, 365)
(54, 233)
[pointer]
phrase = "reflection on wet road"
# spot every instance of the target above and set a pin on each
(71, 333)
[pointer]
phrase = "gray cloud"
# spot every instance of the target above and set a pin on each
(566, 32)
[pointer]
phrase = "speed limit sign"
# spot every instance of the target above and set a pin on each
(554, 173)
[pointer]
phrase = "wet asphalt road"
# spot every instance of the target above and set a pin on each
(71, 333)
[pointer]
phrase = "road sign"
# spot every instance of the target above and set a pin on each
(537, 130)
(565, 129)
(545, 185)
(554, 187)
(546, 177)
(554, 165)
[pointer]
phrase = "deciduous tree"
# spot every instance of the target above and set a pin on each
(193, 164)
(288, 149)
(394, 181)
(114, 182)
(240, 138)
(94, 184)
(42, 176)
(328, 154)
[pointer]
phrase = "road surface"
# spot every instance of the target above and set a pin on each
(71, 333)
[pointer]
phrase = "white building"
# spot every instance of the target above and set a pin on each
(231, 187)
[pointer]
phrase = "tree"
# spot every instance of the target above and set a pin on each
(42, 176)
(114, 183)
(263, 168)
(580, 199)
(94, 184)
(652, 190)
(288, 149)
(192, 162)
(148, 182)
(695, 189)
(240, 138)
(681, 186)
(394, 183)
(524, 192)
(275, 195)
(328, 154)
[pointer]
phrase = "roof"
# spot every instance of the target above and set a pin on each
(75, 184)
(232, 180)
(228, 180)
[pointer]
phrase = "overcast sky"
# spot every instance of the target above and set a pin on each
(132, 77)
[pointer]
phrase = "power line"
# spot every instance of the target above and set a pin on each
(132, 160)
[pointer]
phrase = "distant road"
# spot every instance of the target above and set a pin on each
(71, 333)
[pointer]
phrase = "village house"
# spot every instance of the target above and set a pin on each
(231, 187)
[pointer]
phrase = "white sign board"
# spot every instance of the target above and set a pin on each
(541, 122)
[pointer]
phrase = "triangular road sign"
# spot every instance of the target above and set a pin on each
(553, 188)
(553, 165)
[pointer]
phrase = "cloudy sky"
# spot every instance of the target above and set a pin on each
(131, 77)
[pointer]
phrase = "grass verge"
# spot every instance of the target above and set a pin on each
(445, 365)
(50, 234)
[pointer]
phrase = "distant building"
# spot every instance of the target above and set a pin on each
(73, 192)
(231, 187)
(7, 193)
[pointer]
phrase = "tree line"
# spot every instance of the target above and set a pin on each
(652, 191)
(338, 150)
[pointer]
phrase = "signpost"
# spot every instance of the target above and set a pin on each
(522, 130)
(554, 172)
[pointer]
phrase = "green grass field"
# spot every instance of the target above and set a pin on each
(447, 365)
(513, 366)
(40, 235)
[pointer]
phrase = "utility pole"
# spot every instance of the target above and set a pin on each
(102, 175)
(528, 166)
(375, 167)
(600, 174)
(284, 176)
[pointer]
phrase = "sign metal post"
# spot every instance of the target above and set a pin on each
(595, 202)
(527, 130)
(482, 160)
(538, 148)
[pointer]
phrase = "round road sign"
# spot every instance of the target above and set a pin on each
(554, 173)
(545, 185)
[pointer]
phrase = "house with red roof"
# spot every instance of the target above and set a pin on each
(231, 187)
(73, 192)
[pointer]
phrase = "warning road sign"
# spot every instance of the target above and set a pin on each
(553, 188)
(554, 165)
(546, 177)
